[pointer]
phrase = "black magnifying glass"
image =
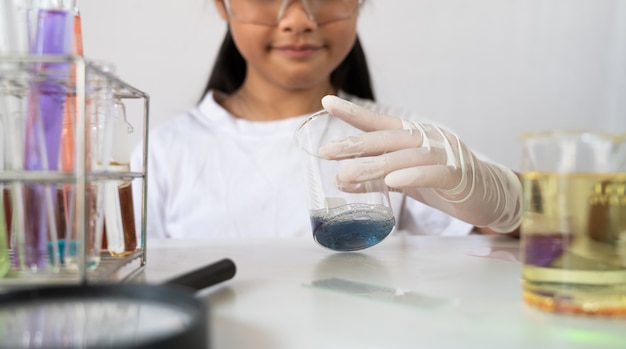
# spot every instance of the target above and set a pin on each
(112, 315)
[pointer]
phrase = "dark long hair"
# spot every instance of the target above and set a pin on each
(351, 76)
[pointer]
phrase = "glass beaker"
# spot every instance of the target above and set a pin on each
(573, 231)
(341, 219)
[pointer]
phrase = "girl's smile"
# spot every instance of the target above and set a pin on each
(297, 51)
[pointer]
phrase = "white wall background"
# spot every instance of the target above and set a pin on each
(488, 69)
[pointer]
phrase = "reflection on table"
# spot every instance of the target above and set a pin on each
(407, 292)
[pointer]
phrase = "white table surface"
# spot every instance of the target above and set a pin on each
(463, 292)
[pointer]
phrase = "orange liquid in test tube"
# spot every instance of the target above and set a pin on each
(68, 146)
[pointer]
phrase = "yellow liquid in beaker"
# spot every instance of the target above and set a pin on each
(574, 242)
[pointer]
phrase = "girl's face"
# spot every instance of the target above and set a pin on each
(297, 53)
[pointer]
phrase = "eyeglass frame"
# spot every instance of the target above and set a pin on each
(283, 10)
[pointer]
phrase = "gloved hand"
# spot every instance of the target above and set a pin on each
(427, 163)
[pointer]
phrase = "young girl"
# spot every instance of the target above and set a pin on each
(229, 167)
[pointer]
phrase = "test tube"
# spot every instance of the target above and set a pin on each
(4, 251)
(120, 219)
(68, 147)
(44, 121)
(98, 113)
(13, 27)
(16, 29)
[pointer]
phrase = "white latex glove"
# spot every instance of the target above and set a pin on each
(427, 163)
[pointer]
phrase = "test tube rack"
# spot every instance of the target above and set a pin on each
(17, 74)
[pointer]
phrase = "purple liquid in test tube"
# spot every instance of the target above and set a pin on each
(43, 130)
(54, 34)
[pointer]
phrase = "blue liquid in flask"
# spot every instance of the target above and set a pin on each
(352, 227)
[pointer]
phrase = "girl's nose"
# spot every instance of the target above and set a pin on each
(297, 10)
